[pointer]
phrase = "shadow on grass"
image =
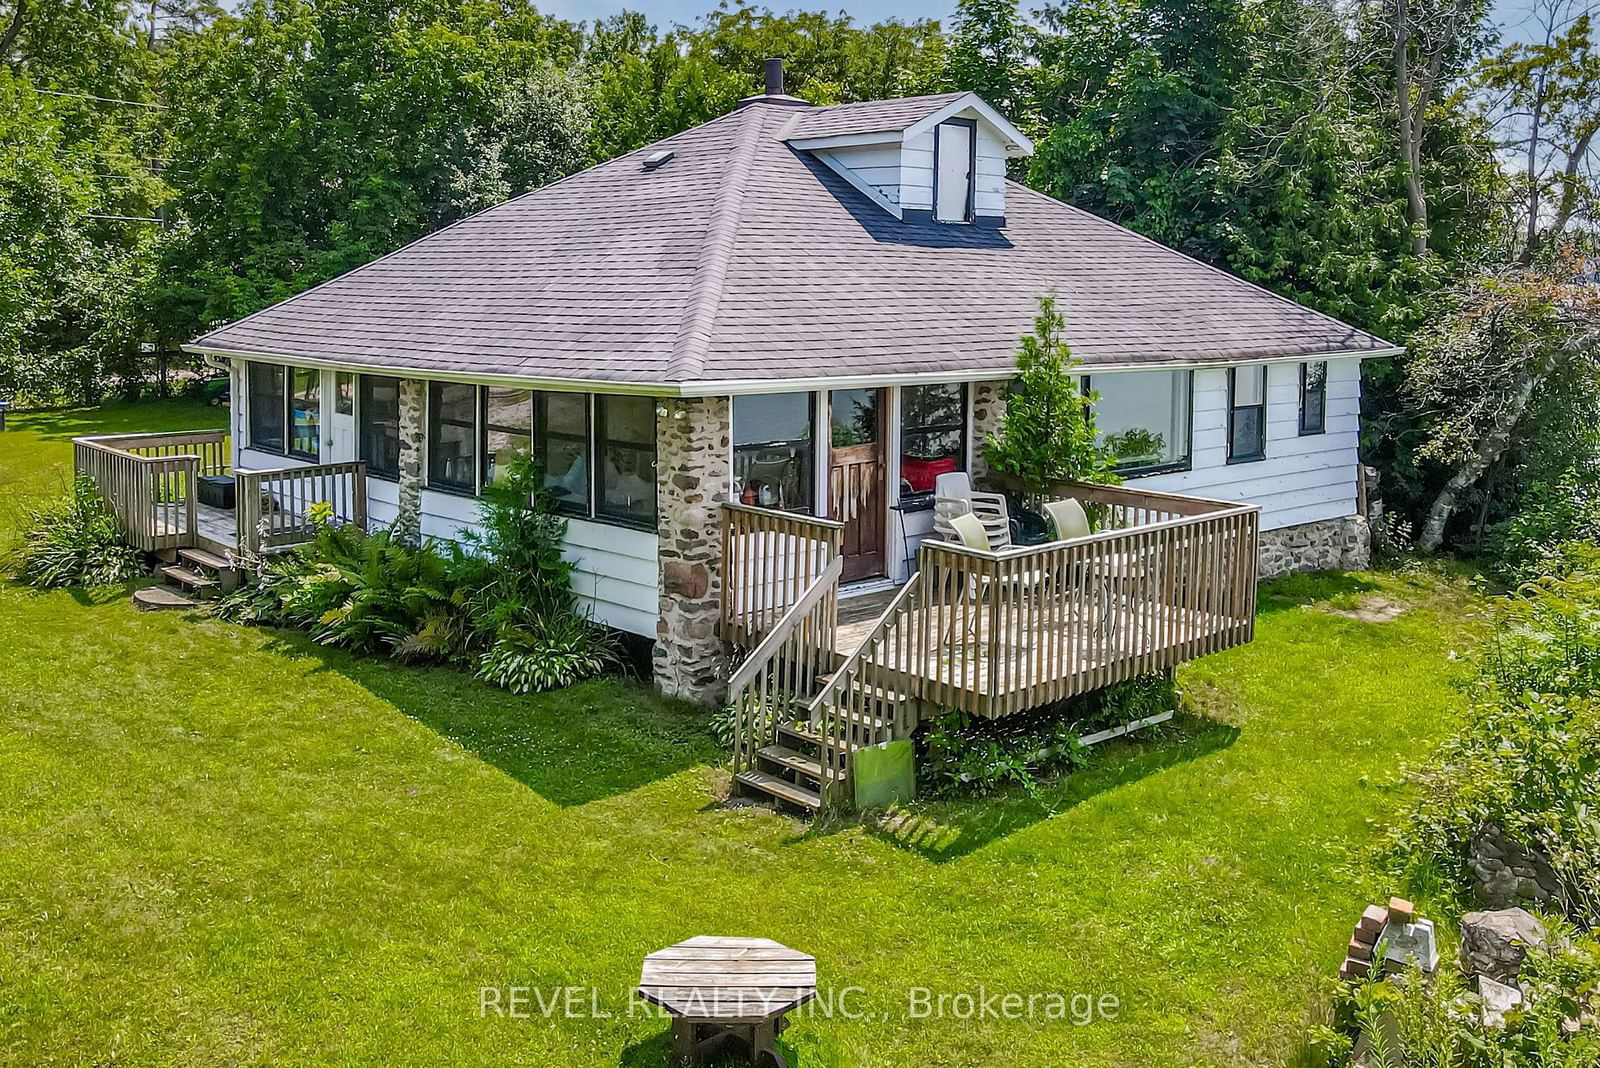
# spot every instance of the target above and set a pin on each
(61, 424)
(942, 831)
(598, 739)
(1294, 591)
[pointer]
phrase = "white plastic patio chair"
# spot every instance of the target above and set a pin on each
(953, 495)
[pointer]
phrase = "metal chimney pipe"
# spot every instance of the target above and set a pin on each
(774, 73)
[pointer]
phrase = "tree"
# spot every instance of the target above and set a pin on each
(1481, 368)
(1546, 102)
(988, 54)
(1047, 435)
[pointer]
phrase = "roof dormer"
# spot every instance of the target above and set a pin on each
(919, 158)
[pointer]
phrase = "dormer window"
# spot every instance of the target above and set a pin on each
(954, 161)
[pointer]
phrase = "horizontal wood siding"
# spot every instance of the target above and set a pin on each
(916, 171)
(1303, 479)
(876, 165)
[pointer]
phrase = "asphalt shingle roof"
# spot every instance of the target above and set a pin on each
(743, 258)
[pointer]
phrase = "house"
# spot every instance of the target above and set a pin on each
(792, 310)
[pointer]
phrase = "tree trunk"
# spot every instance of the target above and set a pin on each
(1489, 450)
(1530, 247)
(9, 38)
(1569, 183)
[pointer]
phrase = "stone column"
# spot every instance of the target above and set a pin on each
(988, 408)
(692, 476)
(408, 520)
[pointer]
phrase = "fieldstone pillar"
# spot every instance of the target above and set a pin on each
(408, 520)
(692, 477)
(988, 409)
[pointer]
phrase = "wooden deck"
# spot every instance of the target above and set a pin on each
(857, 616)
(215, 530)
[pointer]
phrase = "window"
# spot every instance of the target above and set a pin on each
(774, 458)
(855, 417)
(305, 420)
(625, 438)
(1143, 418)
(344, 392)
(507, 429)
(1247, 413)
(933, 435)
(265, 387)
(1314, 397)
(380, 426)
(954, 159)
(453, 437)
(561, 448)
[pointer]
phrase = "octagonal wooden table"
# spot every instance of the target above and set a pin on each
(728, 990)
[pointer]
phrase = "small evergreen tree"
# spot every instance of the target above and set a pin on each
(1048, 434)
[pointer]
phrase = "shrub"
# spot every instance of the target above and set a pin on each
(1552, 516)
(1528, 757)
(547, 653)
(74, 541)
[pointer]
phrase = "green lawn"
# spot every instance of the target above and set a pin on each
(221, 845)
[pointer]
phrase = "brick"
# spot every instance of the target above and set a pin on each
(1365, 937)
(1358, 950)
(1401, 910)
(1373, 920)
(1353, 969)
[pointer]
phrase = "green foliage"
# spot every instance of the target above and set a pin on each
(960, 754)
(1048, 435)
(548, 652)
(1552, 515)
(1434, 1022)
(74, 541)
(1528, 759)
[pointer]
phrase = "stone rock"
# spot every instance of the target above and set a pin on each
(1498, 999)
(1507, 873)
(1320, 546)
(685, 579)
(1496, 943)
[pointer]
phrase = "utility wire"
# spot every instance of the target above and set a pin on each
(103, 99)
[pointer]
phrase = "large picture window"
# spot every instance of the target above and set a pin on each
(1314, 397)
(933, 435)
(379, 419)
(1247, 413)
(774, 456)
(1143, 418)
(507, 429)
(266, 402)
(453, 437)
(305, 415)
(561, 448)
(625, 439)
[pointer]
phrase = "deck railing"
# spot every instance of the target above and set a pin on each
(769, 560)
(279, 507)
(1164, 579)
(148, 481)
(784, 670)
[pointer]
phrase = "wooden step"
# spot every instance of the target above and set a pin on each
(188, 579)
(784, 757)
(782, 789)
(204, 559)
(798, 732)
(159, 598)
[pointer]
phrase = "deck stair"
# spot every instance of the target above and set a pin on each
(194, 575)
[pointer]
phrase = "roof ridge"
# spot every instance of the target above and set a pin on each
(716, 250)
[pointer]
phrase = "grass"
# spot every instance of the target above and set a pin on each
(221, 846)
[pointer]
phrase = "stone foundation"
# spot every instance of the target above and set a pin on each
(1329, 544)
(692, 477)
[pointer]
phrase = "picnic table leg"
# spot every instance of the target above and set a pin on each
(682, 1039)
(764, 1053)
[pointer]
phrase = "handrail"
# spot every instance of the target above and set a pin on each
(770, 645)
(148, 481)
(784, 667)
(769, 559)
(275, 506)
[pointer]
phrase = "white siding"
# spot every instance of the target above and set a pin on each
(1303, 479)
(916, 171)
(875, 165)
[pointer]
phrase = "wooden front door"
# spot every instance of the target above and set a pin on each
(858, 478)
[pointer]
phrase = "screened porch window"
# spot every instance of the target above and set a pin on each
(379, 421)
(774, 455)
(933, 435)
(453, 437)
(561, 448)
(265, 387)
(305, 415)
(1314, 397)
(625, 437)
(507, 429)
(1143, 418)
